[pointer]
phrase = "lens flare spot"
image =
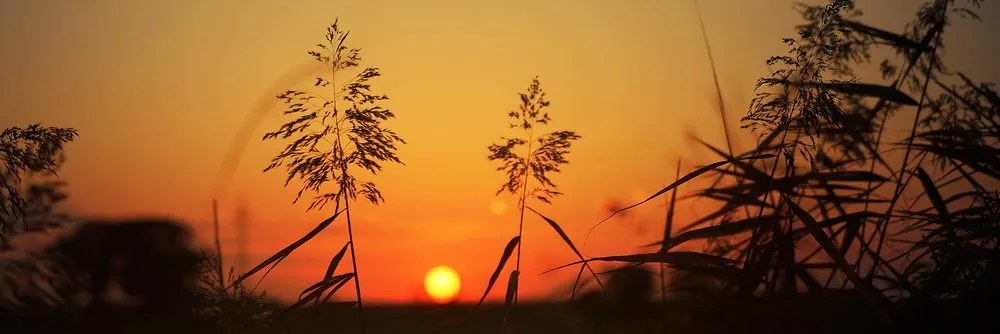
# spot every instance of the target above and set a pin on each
(498, 206)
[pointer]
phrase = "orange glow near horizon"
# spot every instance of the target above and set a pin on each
(159, 90)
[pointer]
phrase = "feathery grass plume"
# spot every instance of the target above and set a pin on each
(25, 154)
(520, 156)
(337, 136)
(531, 157)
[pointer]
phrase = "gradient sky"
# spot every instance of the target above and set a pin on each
(159, 89)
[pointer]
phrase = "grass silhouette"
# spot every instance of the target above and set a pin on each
(337, 135)
(524, 159)
(801, 206)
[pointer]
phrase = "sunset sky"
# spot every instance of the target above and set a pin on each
(159, 90)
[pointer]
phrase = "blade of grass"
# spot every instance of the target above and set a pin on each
(934, 195)
(715, 79)
(682, 180)
(284, 252)
(336, 261)
(496, 273)
(314, 292)
(893, 38)
(337, 287)
(511, 298)
(900, 185)
(860, 89)
(831, 249)
(562, 234)
(677, 258)
(720, 230)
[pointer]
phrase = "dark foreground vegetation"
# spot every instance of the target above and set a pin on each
(825, 224)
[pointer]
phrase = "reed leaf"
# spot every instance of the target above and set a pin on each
(682, 180)
(934, 195)
(336, 260)
(510, 299)
(721, 230)
(675, 258)
(314, 292)
(507, 251)
(569, 243)
(284, 252)
(812, 226)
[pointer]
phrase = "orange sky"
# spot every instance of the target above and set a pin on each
(159, 89)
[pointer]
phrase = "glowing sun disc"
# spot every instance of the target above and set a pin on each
(442, 284)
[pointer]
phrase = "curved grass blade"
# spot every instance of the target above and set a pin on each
(715, 78)
(728, 207)
(850, 218)
(562, 234)
(510, 300)
(934, 195)
(682, 180)
(861, 89)
(315, 291)
(336, 261)
(308, 291)
(723, 274)
(896, 40)
(675, 258)
(284, 252)
(720, 230)
(679, 258)
(750, 172)
(828, 245)
(337, 287)
(840, 176)
(496, 273)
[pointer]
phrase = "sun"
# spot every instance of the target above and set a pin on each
(442, 284)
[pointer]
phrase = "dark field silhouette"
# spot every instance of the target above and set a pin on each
(106, 277)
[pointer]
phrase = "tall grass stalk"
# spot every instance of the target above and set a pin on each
(715, 79)
(521, 161)
(338, 136)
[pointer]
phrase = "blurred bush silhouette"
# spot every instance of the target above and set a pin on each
(105, 277)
